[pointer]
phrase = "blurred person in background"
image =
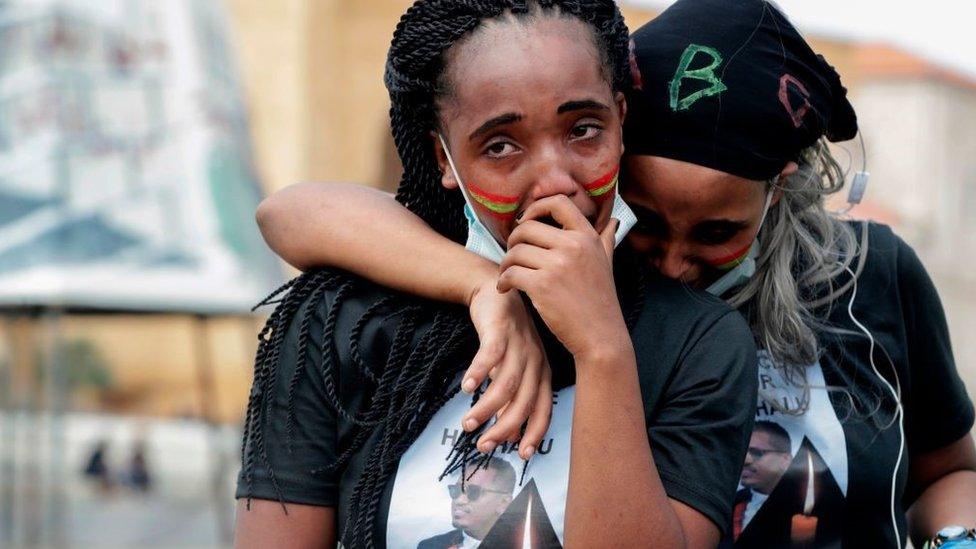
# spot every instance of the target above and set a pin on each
(351, 380)
(96, 467)
(728, 170)
(136, 474)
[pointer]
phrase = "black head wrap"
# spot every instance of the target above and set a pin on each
(731, 85)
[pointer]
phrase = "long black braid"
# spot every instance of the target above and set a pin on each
(418, 377)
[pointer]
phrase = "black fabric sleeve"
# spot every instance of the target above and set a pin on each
(938, 411)
(700, 435)
(288, 458)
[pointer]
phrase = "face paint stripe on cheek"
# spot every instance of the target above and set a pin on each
(727, 262)
(498, 206)
(604, 184)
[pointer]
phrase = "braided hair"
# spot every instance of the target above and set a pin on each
(420, 373)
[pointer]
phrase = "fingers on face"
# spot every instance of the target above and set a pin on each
(526, 255)
(560, 208)
(536, 233)
(609, 235)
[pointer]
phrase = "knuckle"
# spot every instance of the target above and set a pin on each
(576, 246)
(493, 348)
(561, 262)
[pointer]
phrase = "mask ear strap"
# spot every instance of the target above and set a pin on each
(474, 222)
(468, 201)
(454, 170)
(769, 201)
(742, 272)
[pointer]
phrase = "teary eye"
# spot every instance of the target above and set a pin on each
(650, 224)
(500, 149)
(585, 131)
(713, 233)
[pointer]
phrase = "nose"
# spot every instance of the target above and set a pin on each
(670, 260)
(553, 173)
(554, 181)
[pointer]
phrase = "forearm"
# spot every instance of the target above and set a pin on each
(366, 232)
(946, 502)
(944, 480)
(615, 494)
(264, 523)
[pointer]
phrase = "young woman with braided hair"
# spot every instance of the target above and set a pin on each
(865, 422)
(356, 398)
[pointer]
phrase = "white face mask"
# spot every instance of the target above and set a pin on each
(482, 242)
(741, 273)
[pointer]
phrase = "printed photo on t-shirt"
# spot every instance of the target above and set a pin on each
(793, 487)
(496, 506)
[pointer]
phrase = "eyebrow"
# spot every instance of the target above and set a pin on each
(492, 123)
(641, 212)
(581, 104)
(644, 214)
(721, 222)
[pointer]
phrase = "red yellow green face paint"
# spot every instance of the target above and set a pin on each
(498, 206)
(504, 207)
(728, 262)
(603, 186)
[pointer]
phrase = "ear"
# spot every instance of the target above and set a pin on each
(447, 174)
(621, 101)
(783, 180)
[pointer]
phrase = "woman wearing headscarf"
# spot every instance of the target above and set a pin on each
(865, 423)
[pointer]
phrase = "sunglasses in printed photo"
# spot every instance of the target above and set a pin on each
(473, 491)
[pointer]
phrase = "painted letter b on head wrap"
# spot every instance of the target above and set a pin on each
(706, 73)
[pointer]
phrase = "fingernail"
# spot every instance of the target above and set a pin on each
(529, 451)
(488, 447)
(518, 216)
(469, 385)
(470, 424)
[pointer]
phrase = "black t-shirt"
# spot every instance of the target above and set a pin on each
(847, 442)
(697, 372)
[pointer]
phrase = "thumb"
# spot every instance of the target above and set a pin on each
(607, 236)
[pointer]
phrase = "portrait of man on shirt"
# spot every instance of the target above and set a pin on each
(476, 504)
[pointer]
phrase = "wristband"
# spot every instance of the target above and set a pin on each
(952, 537)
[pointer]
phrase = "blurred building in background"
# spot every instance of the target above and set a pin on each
(127, 194)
